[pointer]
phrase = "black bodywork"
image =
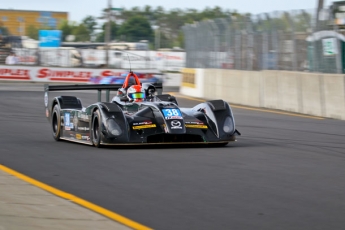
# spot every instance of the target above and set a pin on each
(158, 120)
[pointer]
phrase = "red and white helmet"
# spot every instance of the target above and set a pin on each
(136, 93)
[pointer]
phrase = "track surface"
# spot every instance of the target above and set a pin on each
(285, 172)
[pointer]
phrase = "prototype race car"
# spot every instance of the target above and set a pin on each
(157, 119)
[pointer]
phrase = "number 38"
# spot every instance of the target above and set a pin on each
(172, 112)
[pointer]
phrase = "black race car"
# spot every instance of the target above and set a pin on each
(156, 120)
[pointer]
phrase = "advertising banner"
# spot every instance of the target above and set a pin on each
(49, 38)
(15, 73)
(48, 74)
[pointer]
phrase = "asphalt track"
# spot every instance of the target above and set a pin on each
(285, 172)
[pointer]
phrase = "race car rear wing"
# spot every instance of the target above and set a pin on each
(99, 87)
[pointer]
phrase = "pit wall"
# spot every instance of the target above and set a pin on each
(306, 93)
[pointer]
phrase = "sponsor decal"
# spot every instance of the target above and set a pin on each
(64, 75)
(81, 137)
(144, 126)
(173, 117)
(196, 126)
(175, 124)
(67, 121)
(83, 117)
(164, 56)
(84, 128)
(15, 74)
(143, 123)
(75, 121)
(194, 122)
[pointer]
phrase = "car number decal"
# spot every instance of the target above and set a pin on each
(172, 114)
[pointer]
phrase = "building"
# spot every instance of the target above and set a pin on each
(17, 21)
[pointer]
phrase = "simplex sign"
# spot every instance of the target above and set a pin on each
(47, 74)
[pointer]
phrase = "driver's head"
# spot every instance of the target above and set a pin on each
(136, 93)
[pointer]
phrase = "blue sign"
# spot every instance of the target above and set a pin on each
(50, 38)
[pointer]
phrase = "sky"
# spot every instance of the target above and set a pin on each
(79, 9)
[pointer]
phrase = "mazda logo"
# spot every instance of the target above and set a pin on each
(175, 123)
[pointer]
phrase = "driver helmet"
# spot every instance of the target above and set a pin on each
(136, 93)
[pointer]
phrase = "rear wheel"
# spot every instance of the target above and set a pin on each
(96, 129)
(56, 122)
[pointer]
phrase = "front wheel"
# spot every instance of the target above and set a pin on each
(96, 129)
(56, 122)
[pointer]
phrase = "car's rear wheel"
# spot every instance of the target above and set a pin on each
(56, 122)
(96, 129)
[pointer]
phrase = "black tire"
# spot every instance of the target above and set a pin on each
(56, 122)
(96, 132)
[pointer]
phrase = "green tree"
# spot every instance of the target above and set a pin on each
(3, 30)
(136, 28)
(32, 32)
(168, 22)
(66, 28)
(113, 34)
(90, 23)
(81, 33)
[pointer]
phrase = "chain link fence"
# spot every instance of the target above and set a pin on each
(293, 41)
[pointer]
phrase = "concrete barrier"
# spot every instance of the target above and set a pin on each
(333, 86)
(307, 93)
(312, 95)
(270, 89)
(172, 79)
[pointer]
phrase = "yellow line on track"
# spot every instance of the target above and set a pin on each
(121, 219)
(253, 109)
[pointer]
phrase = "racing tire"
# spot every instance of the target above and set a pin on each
(96, 129)
(56, 122)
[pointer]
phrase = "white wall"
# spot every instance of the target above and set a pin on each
(308, 93)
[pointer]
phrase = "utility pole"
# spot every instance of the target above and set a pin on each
(318, 9)
(107, 34)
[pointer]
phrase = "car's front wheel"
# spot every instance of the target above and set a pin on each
(56, 122)
(96, 129)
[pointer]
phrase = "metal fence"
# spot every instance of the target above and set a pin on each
(293, 41)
